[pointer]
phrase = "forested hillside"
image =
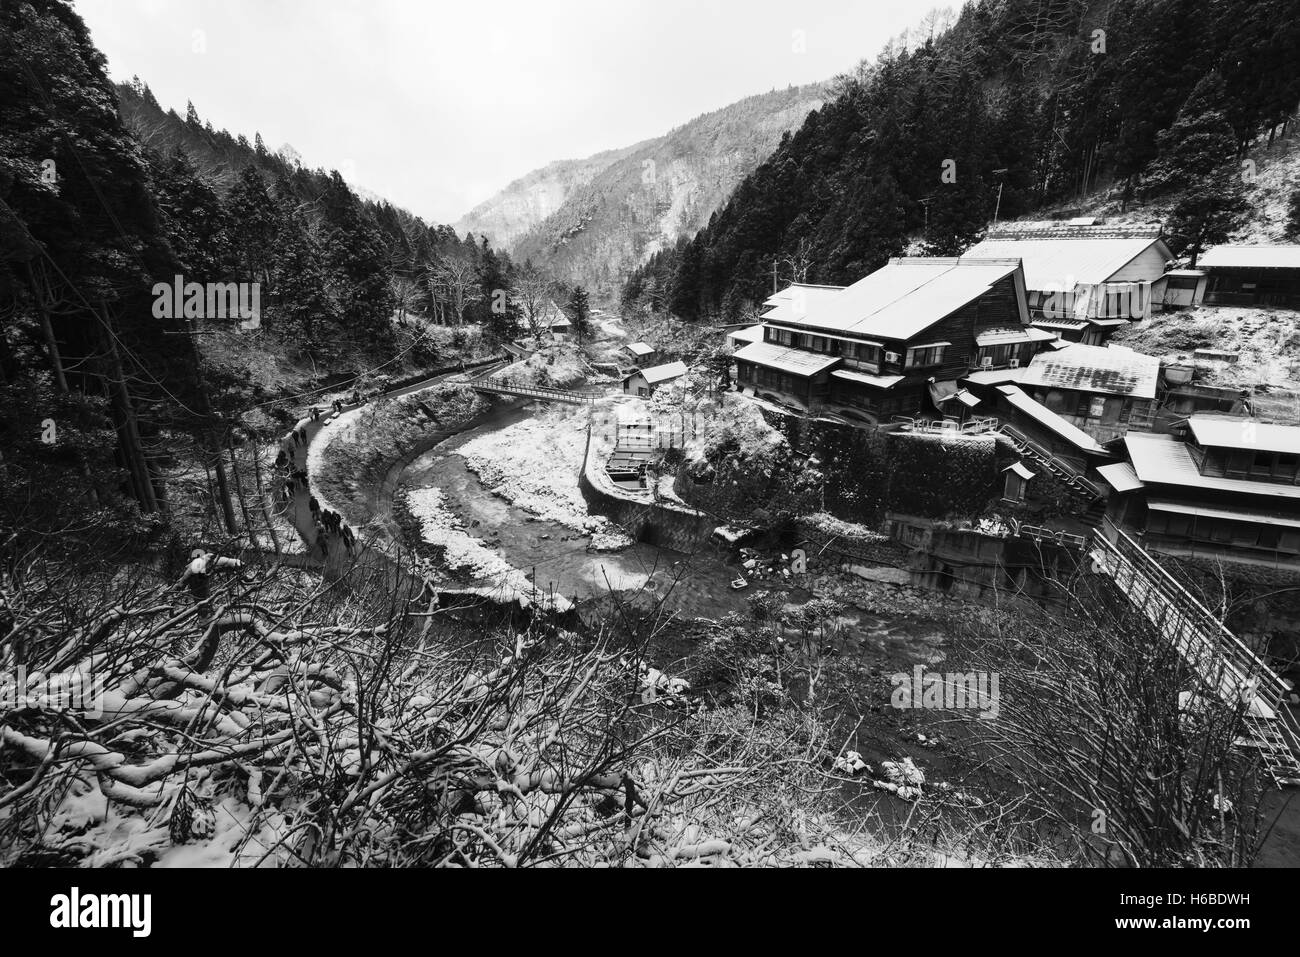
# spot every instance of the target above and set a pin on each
(103, 195)
(650, 194)
(1022, 103)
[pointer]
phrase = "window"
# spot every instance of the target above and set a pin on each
(925, 356)
(782, 337)
(1239, 462)
(860, 353)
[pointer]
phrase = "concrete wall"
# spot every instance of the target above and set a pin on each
(665, 524)
(983, 567)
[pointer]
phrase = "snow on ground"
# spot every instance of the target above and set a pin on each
(556, 365)
(535, 464)
(463, 552)
(494, 576)
(1268, 341)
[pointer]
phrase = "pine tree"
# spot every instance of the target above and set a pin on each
(1200, 140)
(1206, 214)
(191, 114)
(579, 311)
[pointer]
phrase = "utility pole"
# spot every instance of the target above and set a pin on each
(1001, 174)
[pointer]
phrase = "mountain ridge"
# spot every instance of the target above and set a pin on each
(590, 221)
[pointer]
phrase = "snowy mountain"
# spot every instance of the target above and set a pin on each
(592, 220)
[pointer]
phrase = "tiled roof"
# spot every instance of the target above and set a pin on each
(1099, 369)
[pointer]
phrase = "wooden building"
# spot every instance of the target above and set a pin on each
(1252, 276)
(1083, 282)
(1227, 493)
(1104, 391)
(644, 382)
(873, 350)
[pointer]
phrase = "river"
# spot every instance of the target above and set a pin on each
(558, 557)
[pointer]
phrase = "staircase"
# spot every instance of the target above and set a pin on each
(1225, 665)
(1074, 481)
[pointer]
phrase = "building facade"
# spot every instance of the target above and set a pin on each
(872, 350)
(1227, 493)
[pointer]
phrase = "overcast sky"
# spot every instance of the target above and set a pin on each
(437, 104)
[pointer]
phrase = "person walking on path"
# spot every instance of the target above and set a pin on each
(314, 507)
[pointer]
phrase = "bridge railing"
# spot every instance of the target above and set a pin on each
(1207, 643)
(514, 387)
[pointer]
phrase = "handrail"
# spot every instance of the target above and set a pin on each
(542, 392)
(1128, 550)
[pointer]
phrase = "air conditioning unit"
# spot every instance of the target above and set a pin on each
(987, 362)
(893, 357)
(1015, 363)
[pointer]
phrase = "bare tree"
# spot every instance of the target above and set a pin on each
(406, 294)
(454, 287)
(1098, 713)
(534, 291)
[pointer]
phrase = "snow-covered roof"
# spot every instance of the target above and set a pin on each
(863, 378)
(1064, 262)
(1009, 335)
(1163, 460)
(1020, 469)
(1108, 371)
(1049, 419)
(1220, 511)
(796, 301)
(751, 334)
(800, 288)
(640, 349)
(996, 376)
(1121, 477)
(785, 359)
(670, 370)
(1251, 257)
(1247, 434)
(904, 298)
